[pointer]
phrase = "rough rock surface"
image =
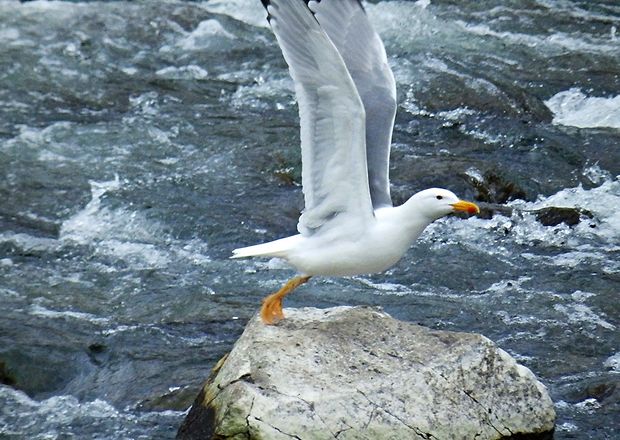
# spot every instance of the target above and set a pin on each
(357, 373)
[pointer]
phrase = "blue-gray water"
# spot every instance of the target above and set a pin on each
(140, 142)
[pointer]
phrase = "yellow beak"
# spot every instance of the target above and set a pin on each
(469, 207)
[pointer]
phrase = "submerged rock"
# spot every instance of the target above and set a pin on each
(6, 378)
(493, 187)
(357, 373)
(553, 215)
(493, 190)
(547, 216)
(176, 399)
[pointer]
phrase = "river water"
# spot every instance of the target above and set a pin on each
(140, 142)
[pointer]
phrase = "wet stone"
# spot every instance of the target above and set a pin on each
(178, 399)
(357, 373)
(496, 188)
(605, 391)
(553, 216)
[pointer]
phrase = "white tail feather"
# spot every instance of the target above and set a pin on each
(277, 248)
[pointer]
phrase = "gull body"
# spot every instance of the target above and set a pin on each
(383, 243)
(347, 104)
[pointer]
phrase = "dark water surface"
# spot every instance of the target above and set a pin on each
(140, 142)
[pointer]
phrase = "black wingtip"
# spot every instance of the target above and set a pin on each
(265, 4)
(359, 2)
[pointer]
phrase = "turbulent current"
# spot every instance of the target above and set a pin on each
(140, 142)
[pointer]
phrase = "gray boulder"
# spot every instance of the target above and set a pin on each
(357, 373)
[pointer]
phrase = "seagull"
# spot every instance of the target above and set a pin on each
(346, 95)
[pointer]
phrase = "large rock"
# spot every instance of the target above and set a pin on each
(357, 373)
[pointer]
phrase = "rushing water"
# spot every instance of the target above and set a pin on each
(140, 142)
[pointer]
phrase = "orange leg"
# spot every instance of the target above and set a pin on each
(271, 311)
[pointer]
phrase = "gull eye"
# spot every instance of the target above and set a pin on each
(439, 197)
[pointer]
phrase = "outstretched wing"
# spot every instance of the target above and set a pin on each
(347, 25)
(332, 118)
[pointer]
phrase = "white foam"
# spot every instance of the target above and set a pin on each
(456, 115)
(588, 405)
(9, 35)
(475, 174)
(572, 107)
(60, 415)
(277, 264)
(573, 259)
(558, 42)
(96, 408)
(597, 175)
(571, 9)
(591, 242)
(571, 312)
(474, 82)
(204, 36)
(193, 250)
(9, 293)
(511, 320)
(262, 91)
(423, 3)
(402, 21)
(566, 426)
(138, 254)
(129, 70)
(385, 288)
(525, 229)
(29, 243)
(35, 138)
(580, 314)
(120, 329)
(512, 284)
(146, 103)
(190, 71)
(58, 143)
(85, 225)
(248, 11)
(41, 6)
(37, 310)
(601, 201)
(119, 232)
(613, 363)
(487, 138)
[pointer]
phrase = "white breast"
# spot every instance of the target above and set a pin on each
(379, 248)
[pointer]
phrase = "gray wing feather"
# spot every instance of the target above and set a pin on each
(332, 119)
(347, 25)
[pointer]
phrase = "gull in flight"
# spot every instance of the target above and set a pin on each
(347, 103)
